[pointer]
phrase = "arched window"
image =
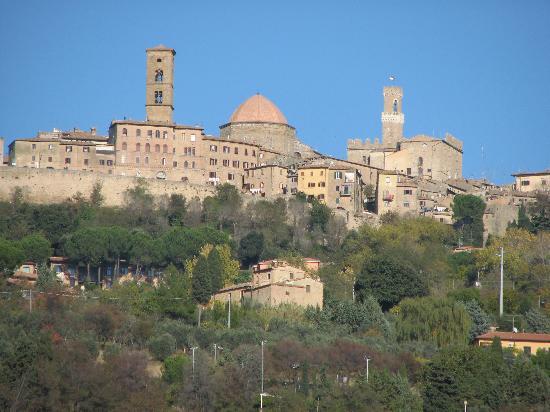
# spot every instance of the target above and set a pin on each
(395, 106)
(158, 76)
(164, 148)
(165, 135)
(147, 148)
(157, 134)
(124, 132)
(138, 132)
(193, 165)
(124, 146)
(164, 161)
(146, 160)
(138, 147)
(420, 161)
(186, 164)
(157, 148)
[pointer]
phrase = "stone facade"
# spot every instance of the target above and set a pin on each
(275, 283)
(159, 90)
(54, 186)
(437, 159)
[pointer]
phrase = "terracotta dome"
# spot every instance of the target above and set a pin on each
(258, 109)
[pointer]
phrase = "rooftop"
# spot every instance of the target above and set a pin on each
(529, 337)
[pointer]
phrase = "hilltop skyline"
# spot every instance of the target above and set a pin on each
(324, 69)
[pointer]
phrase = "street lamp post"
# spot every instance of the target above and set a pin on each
(465, 406)
(368, 360)
(501, 293)
(263, 343)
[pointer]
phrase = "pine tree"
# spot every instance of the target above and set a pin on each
(201, 286)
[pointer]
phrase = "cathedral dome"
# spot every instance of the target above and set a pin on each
(258, 109)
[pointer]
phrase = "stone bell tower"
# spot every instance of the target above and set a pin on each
(159, 96)
(392, 116)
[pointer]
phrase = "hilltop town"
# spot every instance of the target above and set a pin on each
(159, 268)
(260, 153)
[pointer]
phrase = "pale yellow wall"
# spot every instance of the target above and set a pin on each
(519, 346)
(533, 182)
(313, 182)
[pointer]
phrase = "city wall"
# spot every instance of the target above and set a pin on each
(53, 186)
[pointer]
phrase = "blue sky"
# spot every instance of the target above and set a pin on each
(477, 69)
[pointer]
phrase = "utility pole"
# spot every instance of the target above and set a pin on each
(193, 361)
(216, 347)
(501, 295)
(367, 359)
(263, 343)
(30, 300)
(229, 313)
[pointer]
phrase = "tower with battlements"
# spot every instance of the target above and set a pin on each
(392, 116)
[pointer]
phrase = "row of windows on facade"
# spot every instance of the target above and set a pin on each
(235, 163)
(527, 182)
(158, 134)
(227, 149)
(164, 162)
(337, 175)
(214, 176)
(86, 162)
(85, 149)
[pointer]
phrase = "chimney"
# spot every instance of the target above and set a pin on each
(93, 130)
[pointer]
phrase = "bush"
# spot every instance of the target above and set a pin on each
(172, 368)
(162, 346)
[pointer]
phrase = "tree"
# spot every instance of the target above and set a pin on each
(480, 319)
(250, 248)
(201, 286)
(537, 321)
(36, 248)
(389, 281)
(215, 270)
(96, 197)
(11, 255)
(468, 213)
(176, 210)
(162, 346)
(319, 215)
(540, 212)
(440, 321)
(88, 246)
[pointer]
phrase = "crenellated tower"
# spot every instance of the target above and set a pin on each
(392, 116)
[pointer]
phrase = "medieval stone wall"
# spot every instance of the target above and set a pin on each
(52, 186)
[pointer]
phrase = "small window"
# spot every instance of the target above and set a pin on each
(322, 172)
(50, 147)
(387, 179)
(124, 132)
(253, 152)
(321, 197)
(49, 159)
(246, 152)
(245, 165)
(225, 162)
(137, 160)
(213, 148)
(158, 97)
(33, 158)
(67, 160)
(213, 162)
(157, 134)
(33, 146)
(226, 149)
(292, 276)
(408, 192)
(68, 148)
(109, 162)
(86, 149)
(164, 148)
(157, 148)
(321, 184)
(543, 183)
(301, 173)
(406, 204)
(212, 175)
(146, 160)
(337, 175)
(149, 133)
(85, 162)
(236, 150)
(230, 176)
(395, 106)
(102, 162)
(124, 146)
(163, 161)
(236, 163)
(409, 171)
(159, 74)
(138, 147)
(175, 164)
(192, 137)
(525, 182)
(147, 148)
(138, 132)
(159, 60)
(192, 165)
(308, 288)
(186, 164)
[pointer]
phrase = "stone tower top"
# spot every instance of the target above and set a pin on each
(392, 116)
(159, 90)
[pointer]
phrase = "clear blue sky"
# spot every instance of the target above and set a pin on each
(477, 69)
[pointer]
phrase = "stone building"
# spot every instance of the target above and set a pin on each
(71, 150)
(534, 181)
(270, 181)
(275, 282)
(422, 156)
(1, 152)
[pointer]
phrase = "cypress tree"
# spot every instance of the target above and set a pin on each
(215, 268)
(201, 286)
